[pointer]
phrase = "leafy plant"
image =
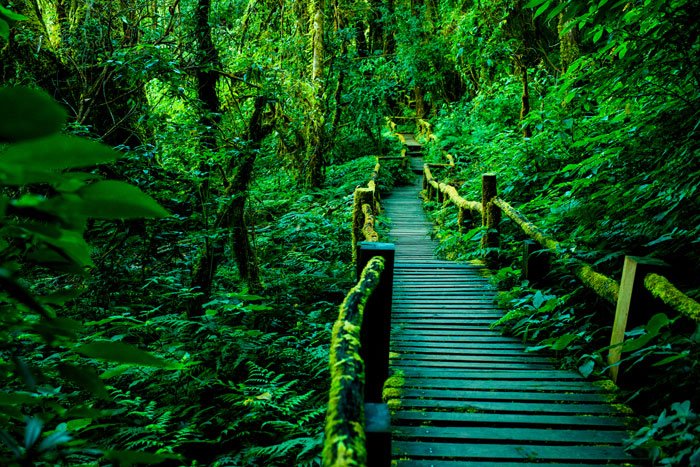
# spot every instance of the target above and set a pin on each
(672, 437)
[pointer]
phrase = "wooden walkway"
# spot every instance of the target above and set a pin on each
(469, 396)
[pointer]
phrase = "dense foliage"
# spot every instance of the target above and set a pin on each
(202, 337)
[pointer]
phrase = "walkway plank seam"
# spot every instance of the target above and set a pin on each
(466, 395)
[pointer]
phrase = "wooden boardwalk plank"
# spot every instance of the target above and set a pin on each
(510, 435)
(468, 396)
(502, 451)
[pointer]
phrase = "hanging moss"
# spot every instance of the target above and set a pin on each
(344, 443)
(661, 288)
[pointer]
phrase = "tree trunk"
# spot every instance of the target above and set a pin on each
(568, 44)
(389, 39)
(316, 139)
(231, 216)
(376, 28)
(207, 61)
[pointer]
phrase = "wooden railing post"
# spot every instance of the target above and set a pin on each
(634, 305)
(374, 350)
(376, 326)
(491, 214)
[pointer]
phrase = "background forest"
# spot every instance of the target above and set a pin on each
(170, 300)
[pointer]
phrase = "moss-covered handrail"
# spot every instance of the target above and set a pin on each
(368, 231)
(366, 205)
(602, 285)
(344, 443)
(449, 191)
(664, 290)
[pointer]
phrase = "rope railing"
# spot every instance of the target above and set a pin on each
(640, 278)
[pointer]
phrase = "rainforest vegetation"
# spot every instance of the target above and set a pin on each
(177, 181)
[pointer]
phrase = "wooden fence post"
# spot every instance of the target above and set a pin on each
(374, 350)
(634, 304)
(491, 214)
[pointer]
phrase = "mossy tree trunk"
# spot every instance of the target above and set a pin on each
(230, 217)
(317, 138)
(568, 44)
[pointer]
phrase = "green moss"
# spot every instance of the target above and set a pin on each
(623, 409)
(396, 380)
(391, 393)
(606, 385)
(602, 285)
(394, 404)
(528, 227)
(664, 290)
(344, 442)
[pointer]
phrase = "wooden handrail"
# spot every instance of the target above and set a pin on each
(604, 286)
(664, 290)
(366, 206)
(450, 192)
(368, 231)
(345, 418)
(623, 295)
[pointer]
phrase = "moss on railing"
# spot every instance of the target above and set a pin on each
(450, 192)
(602, 285)
(368, 230)
(664, 290)
(344, 444)
(528, 227)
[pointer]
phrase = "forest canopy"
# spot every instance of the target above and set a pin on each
(177, 182)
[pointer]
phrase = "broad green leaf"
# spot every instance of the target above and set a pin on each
(28, 113)
(78, 424)
(54, 439)
(672, 358)
(116, 371)
(118, 200)
(534, 3)
(541, 10)
(598, 33)
(34, 161)
(656, 323)
(120, 352)
(70, 244)
(564, 341)
(636, 344)
(18, 398)
(538, 299)
(555, 12)
(11, 15)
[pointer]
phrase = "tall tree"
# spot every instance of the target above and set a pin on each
(316, 140)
